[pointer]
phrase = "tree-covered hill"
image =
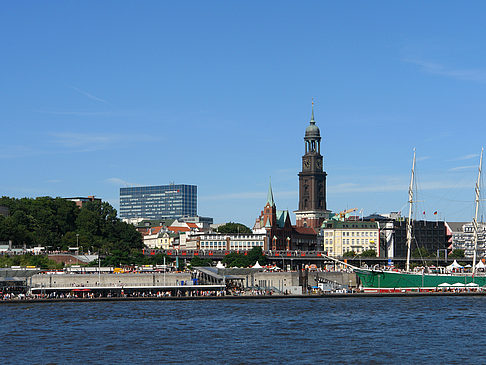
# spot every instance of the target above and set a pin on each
(57, 224)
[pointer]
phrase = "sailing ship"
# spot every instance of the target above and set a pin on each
(383, 281)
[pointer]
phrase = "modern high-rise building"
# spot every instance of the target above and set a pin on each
(158, 202)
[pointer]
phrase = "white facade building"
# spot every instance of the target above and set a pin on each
(340, 237)
(233, 242)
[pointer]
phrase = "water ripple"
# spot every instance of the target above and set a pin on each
(300, 331)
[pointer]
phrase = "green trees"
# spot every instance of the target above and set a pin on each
(197, 261)
(368, 253)
(40, 261)
(57, 223)
(121, 257)
(241, 260)
(457, 254)
(231, 227)
(421, 252)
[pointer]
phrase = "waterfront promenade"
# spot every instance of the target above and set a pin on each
(215, 296)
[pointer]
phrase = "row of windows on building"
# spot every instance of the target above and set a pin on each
(352, 241)
(359, 226)
(357, 249)
(137, 203)
(152, 195)
(353, 234)
(233, 244)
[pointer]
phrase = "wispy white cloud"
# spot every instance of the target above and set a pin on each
(358, 188)
(84, 141)
(248, 195)
(53, 181)
(478, 75)
(90, 96)
(9, 152)
(466, 157)
(459, 168)
(231, 196)
(80, 113)
(118, 181)
(423, 158)
(441, 185)
(392, 187)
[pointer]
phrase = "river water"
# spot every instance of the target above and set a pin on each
(278, 331)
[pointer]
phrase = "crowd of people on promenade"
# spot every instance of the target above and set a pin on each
(79, 294)
(121, 294)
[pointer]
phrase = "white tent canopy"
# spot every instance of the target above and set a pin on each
(458, 285)
(257, 266)
(444, 285)
(219, 265)
(480, 265)
(454, 265)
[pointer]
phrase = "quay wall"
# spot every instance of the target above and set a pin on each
(343, 278)
(129, 279)
(283, 281)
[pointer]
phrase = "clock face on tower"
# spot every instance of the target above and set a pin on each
(318, 164)
(306, 163)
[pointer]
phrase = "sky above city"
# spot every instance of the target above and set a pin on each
(99, 95)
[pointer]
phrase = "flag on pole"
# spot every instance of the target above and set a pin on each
(435, 213)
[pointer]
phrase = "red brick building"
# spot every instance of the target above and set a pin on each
(281, 235)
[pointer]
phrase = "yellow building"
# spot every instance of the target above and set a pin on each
(157, 239)
(340, 237)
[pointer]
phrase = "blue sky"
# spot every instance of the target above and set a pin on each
(98, 95)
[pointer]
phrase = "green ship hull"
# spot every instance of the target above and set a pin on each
(393, 281)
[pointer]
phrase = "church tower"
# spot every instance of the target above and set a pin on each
(270, 210)
(312, 181)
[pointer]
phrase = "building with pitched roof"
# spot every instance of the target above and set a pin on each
(281, 235)
(158, 238)
(80, 201)
(275, 224)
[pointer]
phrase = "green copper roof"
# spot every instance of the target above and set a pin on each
(282, 217)
(312, 131)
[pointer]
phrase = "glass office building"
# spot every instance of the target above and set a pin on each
(158, 202)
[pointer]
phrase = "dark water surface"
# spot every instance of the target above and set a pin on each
(301, 331)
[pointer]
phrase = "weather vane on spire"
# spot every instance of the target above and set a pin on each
(312, 116)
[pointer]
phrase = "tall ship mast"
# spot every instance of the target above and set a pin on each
(409, 222)
(389, 280)
(475, 220)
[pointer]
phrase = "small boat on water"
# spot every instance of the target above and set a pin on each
(386, 281)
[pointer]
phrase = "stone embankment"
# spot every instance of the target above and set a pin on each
(108, 280)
